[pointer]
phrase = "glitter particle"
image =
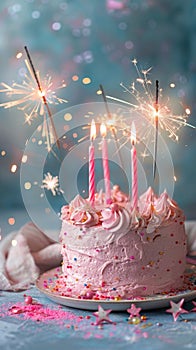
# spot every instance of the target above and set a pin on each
(19, 55)
(27, 185)
(24, 159)
(188, 111)
(68, 117)
(35, 14)
(13, 168)
(14, 243)
(56, 26)
(11, 221)
(75, 78)
(86, 81)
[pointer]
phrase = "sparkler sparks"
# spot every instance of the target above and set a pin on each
(30, 99)
(143, 102)
(51, 183)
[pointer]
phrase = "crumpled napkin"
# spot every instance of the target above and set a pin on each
(28, 252)
(24, 255)
(190, 227)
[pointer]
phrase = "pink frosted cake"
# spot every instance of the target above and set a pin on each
(112, 252)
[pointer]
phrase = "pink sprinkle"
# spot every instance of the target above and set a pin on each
(28, 299)
(37, 312)
(87, 335)
(132, 257)
(145, 335)
(98, 336)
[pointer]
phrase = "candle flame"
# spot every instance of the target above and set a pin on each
(93, 131)
(133, 133)
(103, 130)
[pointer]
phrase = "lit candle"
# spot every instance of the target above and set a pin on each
(92, 163)
(134, 168)
(106, 170)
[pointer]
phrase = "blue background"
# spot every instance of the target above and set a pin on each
(98, 39)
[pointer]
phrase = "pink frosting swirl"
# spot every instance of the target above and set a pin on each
(80, 212)
(154, 222)
(119, 196)
(145, 203)
(166, 207)
(162, 206)
(136, 220)
(115, 218)
(152, 211)
(157, 210)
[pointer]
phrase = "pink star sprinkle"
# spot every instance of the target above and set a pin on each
(194, 309)
(134, 311)
(101, 316)
(176, 309)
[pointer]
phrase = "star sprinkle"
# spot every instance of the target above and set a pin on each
(176, 309)
(194, 309)
(101, 316)
(134, 311)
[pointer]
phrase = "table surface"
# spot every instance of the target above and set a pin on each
(77, 329)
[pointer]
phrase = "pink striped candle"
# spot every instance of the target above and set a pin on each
(106, 169)
(92, 164)
(134, 168)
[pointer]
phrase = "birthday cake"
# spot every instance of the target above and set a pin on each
(111, 251)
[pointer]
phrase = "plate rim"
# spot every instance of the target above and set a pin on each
(188, 294)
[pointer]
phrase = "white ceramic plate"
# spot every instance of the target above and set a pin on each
(147, 303)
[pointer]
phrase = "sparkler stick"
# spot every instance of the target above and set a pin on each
(156, 129)
(42, 96)
(110, 117)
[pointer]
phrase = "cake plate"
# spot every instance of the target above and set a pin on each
(47, 281)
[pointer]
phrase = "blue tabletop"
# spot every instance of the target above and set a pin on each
(78, 330)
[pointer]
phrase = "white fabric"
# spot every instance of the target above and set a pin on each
(190, 227)
(21, 264)
(27, 253)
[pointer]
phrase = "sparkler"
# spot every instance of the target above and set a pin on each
(51, 183)
(156, 129)
(142, 102)
(35, 101)
(42, 95)
(112, 128)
